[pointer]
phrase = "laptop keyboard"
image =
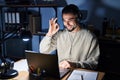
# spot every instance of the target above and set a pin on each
(63, 72)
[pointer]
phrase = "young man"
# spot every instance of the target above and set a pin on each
(76, 47)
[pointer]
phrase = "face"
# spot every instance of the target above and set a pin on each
(69, 21)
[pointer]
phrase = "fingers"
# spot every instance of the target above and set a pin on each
(53, 22)
(64, 64)
(57, 26)
(53, 27)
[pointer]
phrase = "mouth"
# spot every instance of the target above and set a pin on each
(69, 27)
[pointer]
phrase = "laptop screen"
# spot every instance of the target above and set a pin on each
(47, 63)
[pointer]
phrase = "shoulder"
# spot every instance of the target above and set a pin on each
(87, 33)
(60, 33)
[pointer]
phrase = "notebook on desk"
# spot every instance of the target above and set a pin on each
(45, 62)
(83, 75)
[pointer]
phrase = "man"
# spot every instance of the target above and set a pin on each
(76, 47)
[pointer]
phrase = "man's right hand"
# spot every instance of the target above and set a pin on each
(53, 27)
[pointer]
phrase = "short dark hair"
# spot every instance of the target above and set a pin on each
(73, 9)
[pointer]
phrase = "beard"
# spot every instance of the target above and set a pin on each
(73, 28)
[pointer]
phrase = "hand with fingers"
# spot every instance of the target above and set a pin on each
(64, 64)
(53, 27)
(67, 64)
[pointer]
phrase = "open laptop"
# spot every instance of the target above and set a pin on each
(45, 62)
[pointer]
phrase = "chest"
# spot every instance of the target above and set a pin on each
(70, 40)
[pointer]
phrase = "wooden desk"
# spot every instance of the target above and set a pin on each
(22, 68)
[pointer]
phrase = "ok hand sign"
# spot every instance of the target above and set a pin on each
(53, 27)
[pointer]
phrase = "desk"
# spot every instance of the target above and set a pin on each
(22, 68)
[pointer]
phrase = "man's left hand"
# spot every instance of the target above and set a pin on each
(67, 64)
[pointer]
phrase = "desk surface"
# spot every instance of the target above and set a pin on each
(23, 74)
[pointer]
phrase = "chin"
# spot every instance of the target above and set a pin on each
(69, 30)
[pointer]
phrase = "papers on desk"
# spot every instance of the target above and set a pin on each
(21, 65)
(83, 75)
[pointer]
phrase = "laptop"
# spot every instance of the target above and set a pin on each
(47, 63)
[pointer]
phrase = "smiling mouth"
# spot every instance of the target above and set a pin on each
(69, 27)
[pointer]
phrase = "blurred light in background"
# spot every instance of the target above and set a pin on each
(112, 3)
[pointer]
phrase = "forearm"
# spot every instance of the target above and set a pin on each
(87, 64)
(91, 61)
(92, 57)
(46, 45)
(84, 64)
